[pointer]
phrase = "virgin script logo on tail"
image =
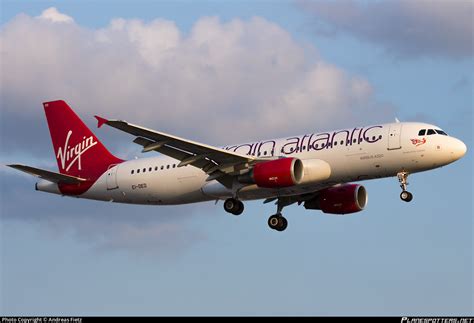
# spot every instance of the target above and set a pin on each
(70, 155)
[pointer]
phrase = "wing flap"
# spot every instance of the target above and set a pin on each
(48, 175)
(173, 153)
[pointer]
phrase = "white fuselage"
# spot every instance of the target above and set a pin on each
(353, 155)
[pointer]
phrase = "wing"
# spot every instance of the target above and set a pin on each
(47, 175)
(218, 163)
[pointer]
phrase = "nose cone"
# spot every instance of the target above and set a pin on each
(458, 149)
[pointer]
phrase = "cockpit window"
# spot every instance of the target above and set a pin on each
(422, 132)
(441, 132)
(431, 132)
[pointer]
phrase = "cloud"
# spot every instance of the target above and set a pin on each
(405, 28)
(104, 227)
(222, 82)
(52, 14)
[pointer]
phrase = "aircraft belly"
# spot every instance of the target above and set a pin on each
(178, 189)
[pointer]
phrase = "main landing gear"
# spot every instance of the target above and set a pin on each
(234, 206)
(277, 221)
(404, 195)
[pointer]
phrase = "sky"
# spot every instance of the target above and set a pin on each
(222, 73)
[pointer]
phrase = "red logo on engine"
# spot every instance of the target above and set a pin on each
(418, 142)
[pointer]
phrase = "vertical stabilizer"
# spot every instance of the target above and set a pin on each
(78, 151)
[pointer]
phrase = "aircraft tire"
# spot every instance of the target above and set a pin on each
(406, 196)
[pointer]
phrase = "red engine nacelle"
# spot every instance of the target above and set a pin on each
(275, 173)
(342, 199)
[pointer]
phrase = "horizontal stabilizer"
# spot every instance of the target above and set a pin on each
(48, 175)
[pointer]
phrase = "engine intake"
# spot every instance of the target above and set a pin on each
(277, 173)
(341, 199)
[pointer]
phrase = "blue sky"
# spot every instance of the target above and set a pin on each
(224, 72)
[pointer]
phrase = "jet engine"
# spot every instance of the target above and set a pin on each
(277, 173)
(340, 199)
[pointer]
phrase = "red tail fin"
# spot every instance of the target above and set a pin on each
(78, 151)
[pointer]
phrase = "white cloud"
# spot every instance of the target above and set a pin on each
(52, 14)
(221, 82)
(405, 28)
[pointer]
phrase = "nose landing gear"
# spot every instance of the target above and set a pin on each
(404, 195)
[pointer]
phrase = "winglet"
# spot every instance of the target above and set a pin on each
(100, 121)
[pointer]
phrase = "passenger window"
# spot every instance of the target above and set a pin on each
(431, 132)
(149, 169)
(174, 165)
(335, 143)
(167, 166)
(317, 146)
(133, 171)
(354, 141)
(144, 169)
(373, 137)
(264, 153)
(342, 142)
(156, 168)
(380, 137)
(138, 171)
(162, 167)
(322, 145)
(422, 132)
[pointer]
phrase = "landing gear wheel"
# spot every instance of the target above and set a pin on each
(273, 221)
(406, 196)
(233, 206)
(230, 204)
(283, 224)
(277, 222)
(240, 208)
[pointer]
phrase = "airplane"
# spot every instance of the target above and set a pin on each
(314, 169)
